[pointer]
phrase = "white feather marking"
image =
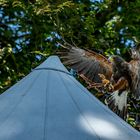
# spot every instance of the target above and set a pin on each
(120, 100)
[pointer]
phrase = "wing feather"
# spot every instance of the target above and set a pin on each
(88, 63)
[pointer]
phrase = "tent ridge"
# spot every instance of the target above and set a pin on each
(50, 104)
(79, 110)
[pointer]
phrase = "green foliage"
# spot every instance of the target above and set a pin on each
(30, 29)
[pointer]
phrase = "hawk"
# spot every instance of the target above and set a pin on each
(117, 77)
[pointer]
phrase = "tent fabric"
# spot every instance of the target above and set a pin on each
(50, 104)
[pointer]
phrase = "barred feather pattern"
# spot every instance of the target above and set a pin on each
(88, 63)
(117, 102)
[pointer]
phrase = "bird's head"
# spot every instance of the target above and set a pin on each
(116, 59)
(120, 64)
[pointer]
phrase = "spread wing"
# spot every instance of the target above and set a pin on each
(88, 63)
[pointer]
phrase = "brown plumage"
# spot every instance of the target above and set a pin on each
(118, 77)
(88, 63)
(135, 72)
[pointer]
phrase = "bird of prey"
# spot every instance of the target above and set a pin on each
(117, 77)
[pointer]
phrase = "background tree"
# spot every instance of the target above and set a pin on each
(30, 30)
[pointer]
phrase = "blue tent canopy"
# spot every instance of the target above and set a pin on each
(50, 104)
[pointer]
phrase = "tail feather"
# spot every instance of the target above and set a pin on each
(117, 102)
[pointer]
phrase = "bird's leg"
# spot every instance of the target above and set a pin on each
(85, 79)
(90, 83)
(121, 84)
(104, 80)
(106, 83)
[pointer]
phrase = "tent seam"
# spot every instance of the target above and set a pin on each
(113, 114)
(78, 108)
(46, 108)
(19, 102)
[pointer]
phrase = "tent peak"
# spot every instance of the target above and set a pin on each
(52, 63)
(48, 105)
